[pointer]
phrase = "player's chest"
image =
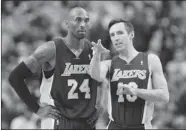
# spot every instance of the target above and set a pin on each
(125, 72)
(74, 57)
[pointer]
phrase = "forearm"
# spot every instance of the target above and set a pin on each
(156, 95)
(95, 67)
(16, 80)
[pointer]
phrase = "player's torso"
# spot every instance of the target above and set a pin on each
(72, 89)
(128, 109)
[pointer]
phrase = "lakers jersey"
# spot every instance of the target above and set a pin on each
(71, 88)
(128, 109)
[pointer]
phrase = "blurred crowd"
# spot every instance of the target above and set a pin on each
(159, 28)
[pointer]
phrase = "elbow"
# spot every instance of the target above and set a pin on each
(14, 78)
(95, 76)
(11, 78)
(165, 98)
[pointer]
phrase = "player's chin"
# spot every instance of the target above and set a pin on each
(119, 49)
(81, 36)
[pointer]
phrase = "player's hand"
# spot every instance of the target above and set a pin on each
(98, 47)
(125, 89)
(48, 111)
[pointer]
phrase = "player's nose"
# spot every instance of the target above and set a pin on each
(82, 25)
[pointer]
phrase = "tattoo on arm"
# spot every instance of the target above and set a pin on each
(43, 54)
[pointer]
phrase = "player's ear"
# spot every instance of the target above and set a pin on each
(132, 34)
(66, 23)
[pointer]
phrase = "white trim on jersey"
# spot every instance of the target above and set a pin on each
(109, 104)
(149, 106)
(45, 89)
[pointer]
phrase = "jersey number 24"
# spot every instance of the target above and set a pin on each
(84, 87)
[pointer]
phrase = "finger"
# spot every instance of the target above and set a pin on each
(93, 43)
(56, 112)
(99, 42)
(125, 86)
(119, 92)
(54, 115)
(106, 50)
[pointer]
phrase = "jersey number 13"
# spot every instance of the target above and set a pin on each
(130, 98)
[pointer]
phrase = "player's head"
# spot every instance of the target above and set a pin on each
(121, 33)
(78, 22)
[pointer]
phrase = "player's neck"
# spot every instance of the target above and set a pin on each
(74, 43)
(128, 54)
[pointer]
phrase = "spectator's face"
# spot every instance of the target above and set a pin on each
(179, 55)
(130, 12)
(119, 36)
(78, 23)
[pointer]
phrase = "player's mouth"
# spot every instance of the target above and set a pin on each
(82, 31)
(119, 43)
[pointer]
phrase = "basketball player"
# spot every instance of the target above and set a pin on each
(136, 79)
(68, 93)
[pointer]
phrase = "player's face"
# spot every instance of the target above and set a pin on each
(119, 36)
(79, 24)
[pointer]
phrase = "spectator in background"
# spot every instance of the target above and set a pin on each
(25, 121)
(176, 69)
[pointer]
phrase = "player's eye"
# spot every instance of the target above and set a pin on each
(111, 34)
(86, 20)
(120, 32)
(78, 20)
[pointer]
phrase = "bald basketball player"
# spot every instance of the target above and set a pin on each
(68, 93)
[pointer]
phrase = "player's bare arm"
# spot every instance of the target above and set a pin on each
(98, 69)
(160, 92)
(43, 54)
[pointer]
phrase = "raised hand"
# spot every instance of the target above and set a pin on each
(98, 47)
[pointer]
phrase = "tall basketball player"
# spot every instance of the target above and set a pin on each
(136, 79)
(68, 93)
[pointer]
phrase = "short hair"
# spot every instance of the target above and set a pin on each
(128, 25)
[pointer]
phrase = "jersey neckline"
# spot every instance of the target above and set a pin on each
(76, 56)
(130, 62)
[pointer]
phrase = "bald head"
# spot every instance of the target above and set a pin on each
(77, 11)
(78, 22)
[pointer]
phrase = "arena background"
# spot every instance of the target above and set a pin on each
(159, 27)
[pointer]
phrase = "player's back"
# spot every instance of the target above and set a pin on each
(127, 109)
(72, 89)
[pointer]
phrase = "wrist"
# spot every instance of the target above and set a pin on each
(135, 91)
(97, 53)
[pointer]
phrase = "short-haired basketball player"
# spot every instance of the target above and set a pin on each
(136, 79)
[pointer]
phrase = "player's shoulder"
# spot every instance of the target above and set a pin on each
(154, 62)
(45, 52)
(48, 47)
(87, 44)
(58, 41)
(153, 58)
